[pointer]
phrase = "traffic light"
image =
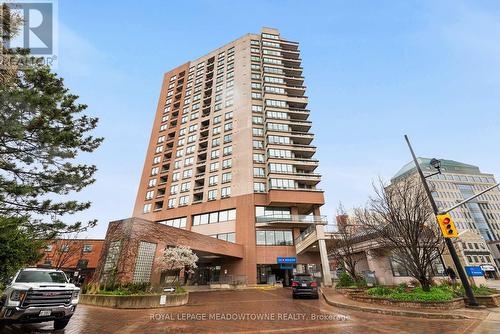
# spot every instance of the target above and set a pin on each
(447, 226)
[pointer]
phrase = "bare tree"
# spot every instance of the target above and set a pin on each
(66, 251)
(342, 249)
(402, 220)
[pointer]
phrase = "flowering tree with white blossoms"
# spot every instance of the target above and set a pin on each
(176, 259)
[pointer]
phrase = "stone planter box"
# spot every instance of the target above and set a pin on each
(139, 301)
(350, 290)
(488, 301)
(440, 305)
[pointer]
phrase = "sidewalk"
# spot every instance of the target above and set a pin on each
(339, 300)
(489, 325)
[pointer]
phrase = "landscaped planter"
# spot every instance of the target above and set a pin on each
(488, 301)
(350, 290)
(443, 305)
(135, 301)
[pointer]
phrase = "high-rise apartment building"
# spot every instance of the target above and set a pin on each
(231, 156)
(459, 181)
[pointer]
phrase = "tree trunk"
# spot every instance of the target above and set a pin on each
(425, 283)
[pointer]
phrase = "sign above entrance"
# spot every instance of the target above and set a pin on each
(286, 259)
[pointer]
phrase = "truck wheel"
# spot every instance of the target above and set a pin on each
(60, 324)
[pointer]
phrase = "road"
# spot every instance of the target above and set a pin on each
(259, 311)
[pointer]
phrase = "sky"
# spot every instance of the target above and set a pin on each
(375, 71)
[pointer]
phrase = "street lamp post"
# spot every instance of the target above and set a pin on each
(451, 248)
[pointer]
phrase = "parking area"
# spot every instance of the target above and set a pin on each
(246, 311)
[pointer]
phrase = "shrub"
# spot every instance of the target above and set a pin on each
(345, 280)
(117, 289)
(360, 282)
(379, 291)
(417, 294)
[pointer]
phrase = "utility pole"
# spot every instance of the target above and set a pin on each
(451, 248)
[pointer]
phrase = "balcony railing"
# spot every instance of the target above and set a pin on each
(307, 232)
(307, 219)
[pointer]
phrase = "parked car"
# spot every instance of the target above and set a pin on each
(304, 285)
(39, 295)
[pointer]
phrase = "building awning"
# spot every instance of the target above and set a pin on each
(488, 268)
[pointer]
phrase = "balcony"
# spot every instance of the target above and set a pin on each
(301, 114)
(290, 221)
(306, 151)
(304, 164)
(304, 180)
(302, 138)
(289, 45)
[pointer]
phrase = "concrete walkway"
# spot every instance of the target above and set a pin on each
(491, 324)
(494, 284)
(339, 300)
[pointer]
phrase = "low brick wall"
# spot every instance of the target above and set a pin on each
(350, 290)
(488, 301)
(444, 305)
(143, 301)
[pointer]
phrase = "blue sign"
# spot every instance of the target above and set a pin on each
(286, 259)
(474, 271)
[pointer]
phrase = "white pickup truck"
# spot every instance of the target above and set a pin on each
(39, 295)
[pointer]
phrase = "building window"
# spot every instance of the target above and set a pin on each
(214, 217)
(259, 172)
(146, 208)
(274, 238)
(183, 200)
(87, 248)
(215, 154)
(187, 174)
(226, 163)
(264, 213)
(257, 157)
(212, 195)
(282, 184)
(229, 237)
(175, 222)
(225, 192)
(150, 194)
(226, 177)
(171, 203)
(258, 132)
(214, 166)
(256, 108)
(399, 270)
(259, 187)
(228, 150)
(186, 186)
(212, 180)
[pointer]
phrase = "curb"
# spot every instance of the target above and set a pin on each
(405, 313)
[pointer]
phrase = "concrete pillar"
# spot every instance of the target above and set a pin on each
(325, 264)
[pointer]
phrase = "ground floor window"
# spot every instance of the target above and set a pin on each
(399, 269)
